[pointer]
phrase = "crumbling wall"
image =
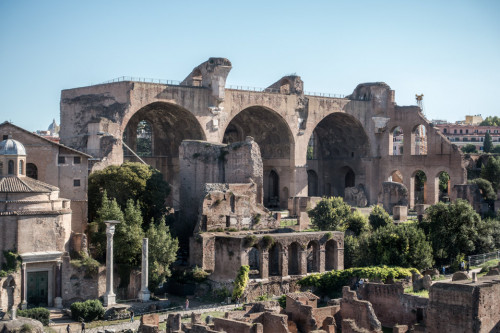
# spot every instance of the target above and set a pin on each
(393, 194)
(463, 306)
(360, 311)
(392, 306)
(272, 322)
(229, 325)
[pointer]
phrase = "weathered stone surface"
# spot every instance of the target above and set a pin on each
(360, 311)
(393, 194)
(356, 196)
(493, 271)
(459, 276)
(17, 326)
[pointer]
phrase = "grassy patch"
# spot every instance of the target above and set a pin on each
(420, 293)
(288, 222)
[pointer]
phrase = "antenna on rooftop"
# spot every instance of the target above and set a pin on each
(420, 102)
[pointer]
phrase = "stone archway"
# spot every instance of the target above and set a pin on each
(294, 259)
(418, 188)
(340, 143)
(312, 183)
(157, 130)
(312, 257)
(274, 265)
(273, 135)
(330, 255)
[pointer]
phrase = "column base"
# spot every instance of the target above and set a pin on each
(144, 295)
(109, 300)
(24, 305)
(58, 302)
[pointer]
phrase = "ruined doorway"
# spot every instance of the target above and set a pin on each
(312, 257)
(273, 194)
(443, 183)
(293, 259)
(330, 250)
(349, 179)
(312, 183)
(419, 187)
(274, 137)
(254, 259)
(275, 260)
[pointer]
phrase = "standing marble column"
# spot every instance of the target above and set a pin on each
(144, 294)
(58, 299)
(109, 296)
(24, 287)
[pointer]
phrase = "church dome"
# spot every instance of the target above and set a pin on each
(12, 147)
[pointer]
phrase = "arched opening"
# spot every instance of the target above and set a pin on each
(273, 193)
(144, 139)
(311, 148)
(443, 184)
(419, 187)
(10, 167)
(339, 140)
(312, 183)
(254, 259)
(293, 259)
(1, 168)
(313, 257)
(330, 257)
(396, 176)
(31, 170)
(21, 167)
(350, 178)
(275, 260)
(396, 137)
(156, 131)
(272, 134)
(419, 140)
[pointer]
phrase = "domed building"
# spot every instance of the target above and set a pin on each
(34, 223)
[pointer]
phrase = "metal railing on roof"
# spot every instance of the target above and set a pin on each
(234, 87)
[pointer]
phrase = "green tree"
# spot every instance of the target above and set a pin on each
(379, 217)
(496, 150)
(331, 214)
(136, 181)
(451, 229)
(108, 210)
(488, 143)
(162, 252)
(357, 223)
(444, 178)
(352, 251)
(491, 171)
(469, 148)
(491, 121)
(128, 236)
(402, 245)
(486, 188)
(488, 236)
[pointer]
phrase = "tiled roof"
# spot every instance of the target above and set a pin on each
(15, 184)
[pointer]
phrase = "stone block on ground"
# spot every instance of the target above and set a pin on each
(460, 276)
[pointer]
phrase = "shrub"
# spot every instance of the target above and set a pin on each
(331, 283)
(379, 217)
(330, 214)
(282, 301)
(11, 263)
(90, 265)
(40, 314)
(199, 275)
(26, 328)
(88, 311)
(250, 240)
(240, 283)
(267, 241)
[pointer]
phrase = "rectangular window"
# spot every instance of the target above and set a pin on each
(77, 160)
(466, 131)
(76, 182)
(61, 160)
(5, 137)
(454, 131)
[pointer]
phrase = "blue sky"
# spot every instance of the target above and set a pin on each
(447, 50)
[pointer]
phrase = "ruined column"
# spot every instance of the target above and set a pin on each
(58, 298)
(303, 261)
(284, 261)
(339, 256)
(264, 264)
(109, 296)
(144, 294)
(24, 287)
(322, 260)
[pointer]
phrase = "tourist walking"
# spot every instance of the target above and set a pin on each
(131, 316)
(187, 304)
(83, 326)
(468, 267)
(68, 329)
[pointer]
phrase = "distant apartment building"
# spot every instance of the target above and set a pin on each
(469, 132)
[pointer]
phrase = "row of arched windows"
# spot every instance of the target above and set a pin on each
(418, 141)
(31, 169)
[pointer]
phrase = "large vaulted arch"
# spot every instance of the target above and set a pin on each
(276, 143)
(155, 132)
(340, 146)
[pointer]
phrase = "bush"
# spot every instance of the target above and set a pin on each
(90, 265)
(331, 283)
(89, 310)
(330, 214)
(40, 314)
(357, 223)
(485, 187)
(11, 263)
(240, 283)
(267, 241)
(282, 301)
(379, 217)
(250, 240)
(199, 275)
